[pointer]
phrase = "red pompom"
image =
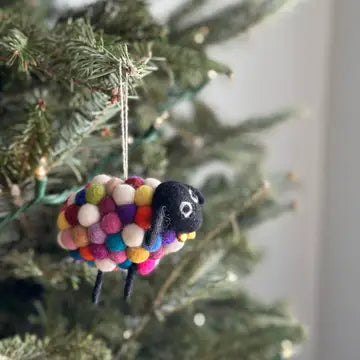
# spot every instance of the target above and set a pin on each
(63, 206)
(86, 253)
(143, 217)
(107, 205)
(134, 181)
(71, 214)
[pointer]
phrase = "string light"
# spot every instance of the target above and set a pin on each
(127, 334)
(200, 35)
(160, 119)
(199, 38)
(287, 349)
(231, 276)
(212, 74)
(130, 139)
(41, 172)
(199, 319)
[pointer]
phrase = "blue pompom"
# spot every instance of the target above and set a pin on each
(91, 263)
(155, 246)
(115, 242)
(75, 255)
(80, 198)
(126, 264)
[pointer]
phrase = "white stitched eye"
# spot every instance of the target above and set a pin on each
(186, 209)
(193, 196)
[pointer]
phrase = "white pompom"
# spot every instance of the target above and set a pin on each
(71, 198)
(173, 247)
(105, 265)
(133, 235)
(123, 194)
(154, 183)
(88, 215)
(100, 179)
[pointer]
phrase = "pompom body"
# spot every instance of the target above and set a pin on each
(106, 223)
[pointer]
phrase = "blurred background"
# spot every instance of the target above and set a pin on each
(306, 57)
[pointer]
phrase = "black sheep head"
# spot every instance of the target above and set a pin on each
(181, 205)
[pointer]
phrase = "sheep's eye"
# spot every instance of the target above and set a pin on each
(193, 196)
(186, 209)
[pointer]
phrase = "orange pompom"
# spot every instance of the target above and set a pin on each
(85, 253)
(143, 217)
(80, 237)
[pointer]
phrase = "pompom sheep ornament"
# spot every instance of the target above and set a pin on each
(128, 225)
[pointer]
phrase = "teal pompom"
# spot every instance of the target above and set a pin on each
(126, 264)
(114, 242)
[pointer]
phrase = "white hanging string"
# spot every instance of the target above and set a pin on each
(124, 92)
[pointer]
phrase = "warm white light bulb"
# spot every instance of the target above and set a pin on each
(199, 319)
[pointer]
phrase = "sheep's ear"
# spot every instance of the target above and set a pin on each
(156, 226)
(199, 195)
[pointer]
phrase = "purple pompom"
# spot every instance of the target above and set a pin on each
(99, 251)
(168, 237)
(126, 213)
(96, 234)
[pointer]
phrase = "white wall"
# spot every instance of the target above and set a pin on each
(340, 286)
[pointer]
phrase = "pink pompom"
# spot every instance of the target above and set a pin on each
(107, 205)
(66, 240)
(157, 254)
(111, 223)
(146, 267)
(118, 256)
(99, 251)
(96, 235)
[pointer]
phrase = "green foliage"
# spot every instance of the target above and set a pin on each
(225, 24)
(59, 110)
(73, 345)
(30, 143)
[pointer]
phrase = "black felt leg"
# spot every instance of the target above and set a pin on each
(156, 227)
(97, 287)
(129, 282)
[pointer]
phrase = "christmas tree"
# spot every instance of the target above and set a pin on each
(59, 113)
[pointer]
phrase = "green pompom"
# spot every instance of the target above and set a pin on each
(95, 193)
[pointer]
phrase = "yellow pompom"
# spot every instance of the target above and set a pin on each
(192, 235)
(95, 193)
(182, 237)
(144, 195)
(137, 254)
(61, 221)
(80, 236)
